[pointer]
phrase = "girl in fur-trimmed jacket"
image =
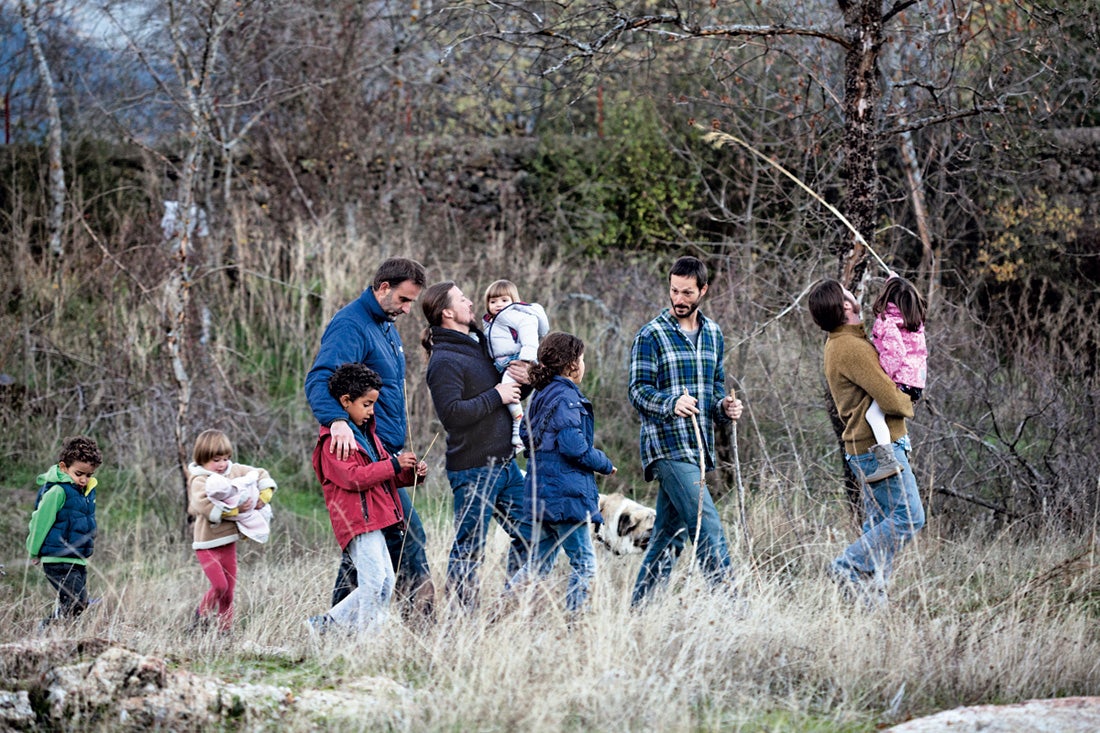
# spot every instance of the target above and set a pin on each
(215, 529)
(361, 496)
(560, 486)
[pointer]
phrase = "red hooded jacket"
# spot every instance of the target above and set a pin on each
(361, 495)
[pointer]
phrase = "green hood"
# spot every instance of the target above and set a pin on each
(56, 476)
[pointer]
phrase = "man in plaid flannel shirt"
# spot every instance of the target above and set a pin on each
(676, 379)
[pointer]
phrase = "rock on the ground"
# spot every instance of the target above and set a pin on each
(1059, 715)
(92, 684)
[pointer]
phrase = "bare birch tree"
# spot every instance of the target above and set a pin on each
(55, 219)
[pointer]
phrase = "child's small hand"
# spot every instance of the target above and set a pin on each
(35, 561)
(422, 469)
(407, 460)
(614, 470)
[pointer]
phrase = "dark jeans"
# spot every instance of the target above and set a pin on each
(407, 553)
(481, 494)
(678, 519)
(71, 583)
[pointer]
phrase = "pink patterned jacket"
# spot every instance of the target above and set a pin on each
(902, 353)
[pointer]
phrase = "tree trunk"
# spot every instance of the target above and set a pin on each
(55, 219)
(862, 108)
(862, 97)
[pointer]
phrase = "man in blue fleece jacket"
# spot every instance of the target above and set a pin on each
(363, 331)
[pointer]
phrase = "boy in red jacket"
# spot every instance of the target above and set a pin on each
(361, 496)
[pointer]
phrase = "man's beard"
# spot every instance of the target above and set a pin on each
(690, 309)
(385, 306)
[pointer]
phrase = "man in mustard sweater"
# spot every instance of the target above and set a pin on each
(892, 507)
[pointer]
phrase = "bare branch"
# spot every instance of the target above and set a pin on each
(924, 122)
(898, 7)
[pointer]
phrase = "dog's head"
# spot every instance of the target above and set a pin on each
(627, 525)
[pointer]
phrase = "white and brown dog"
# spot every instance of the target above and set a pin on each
(627, 525)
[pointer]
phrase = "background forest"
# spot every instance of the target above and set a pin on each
(189, 190)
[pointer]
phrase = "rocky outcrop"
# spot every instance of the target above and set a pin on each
(91, 684)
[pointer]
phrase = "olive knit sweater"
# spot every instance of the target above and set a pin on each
(855, 378)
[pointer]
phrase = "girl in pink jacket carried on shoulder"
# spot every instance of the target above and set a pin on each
(898, 335)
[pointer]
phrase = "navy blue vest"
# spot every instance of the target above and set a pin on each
(73, 532)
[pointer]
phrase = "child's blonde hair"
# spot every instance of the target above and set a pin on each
(499, 288)
(209, 445)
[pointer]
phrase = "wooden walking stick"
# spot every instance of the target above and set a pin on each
(740, 483)
(702, 486)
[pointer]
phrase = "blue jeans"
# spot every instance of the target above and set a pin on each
(480, 494)
(368, 604)
(576, 540)
(407, 553)
(677, 512)
(893, 515)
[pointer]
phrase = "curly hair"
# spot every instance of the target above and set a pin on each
(354, 380)
(80, 448)
(558, 352)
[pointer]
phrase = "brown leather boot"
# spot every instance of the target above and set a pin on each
(887, 463)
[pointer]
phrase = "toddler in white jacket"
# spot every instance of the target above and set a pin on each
(513, 329)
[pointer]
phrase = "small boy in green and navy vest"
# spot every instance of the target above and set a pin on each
(63, 528)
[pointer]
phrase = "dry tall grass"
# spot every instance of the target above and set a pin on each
(995, 602)
(977, 619)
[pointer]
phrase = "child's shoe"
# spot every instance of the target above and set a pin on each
(200, 624)
(517, 442)
(887, 463)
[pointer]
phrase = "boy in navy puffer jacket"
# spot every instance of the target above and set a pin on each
(63, 527)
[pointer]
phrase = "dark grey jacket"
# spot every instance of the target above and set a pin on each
(462, 380)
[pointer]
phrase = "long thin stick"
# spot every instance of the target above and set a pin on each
(718, 139)
(740, 483)
(702, 487)
(412, 500)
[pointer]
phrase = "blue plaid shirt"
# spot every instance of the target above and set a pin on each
(664, 363)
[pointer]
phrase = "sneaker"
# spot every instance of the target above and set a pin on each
(319, 625)
(888, 465)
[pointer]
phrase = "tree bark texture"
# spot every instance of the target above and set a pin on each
(862, 99)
